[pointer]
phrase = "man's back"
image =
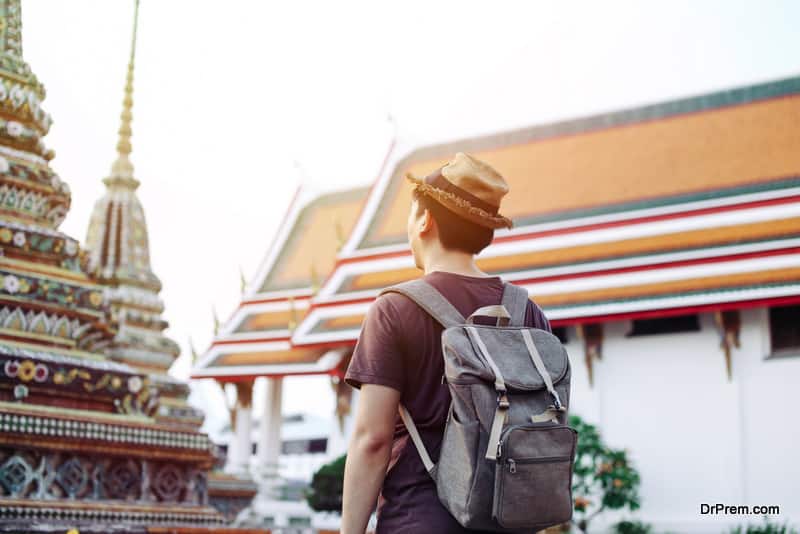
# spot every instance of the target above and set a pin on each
(400, 347)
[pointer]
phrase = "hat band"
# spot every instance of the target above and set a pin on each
(440, 182)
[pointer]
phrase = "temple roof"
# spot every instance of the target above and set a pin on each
(254, 340)
(665, 207)
(677, 207)
(664, 154)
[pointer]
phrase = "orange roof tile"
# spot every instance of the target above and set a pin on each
(632, 163)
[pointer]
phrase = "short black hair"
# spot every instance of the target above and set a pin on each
(455, 232)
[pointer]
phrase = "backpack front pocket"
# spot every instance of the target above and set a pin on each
(533, 476)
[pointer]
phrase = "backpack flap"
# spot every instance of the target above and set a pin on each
(509, 359)
(464, 362)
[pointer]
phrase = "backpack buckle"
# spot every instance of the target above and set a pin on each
(502, 400)
(557, 403)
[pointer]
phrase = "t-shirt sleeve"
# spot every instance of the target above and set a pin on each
(378, 357)
(534, 316)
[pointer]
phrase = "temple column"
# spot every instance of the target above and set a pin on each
(242, 445)
(269, 443)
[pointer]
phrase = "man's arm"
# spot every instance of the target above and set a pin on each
(368, 455)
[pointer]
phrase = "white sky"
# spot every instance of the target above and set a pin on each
(229, 94)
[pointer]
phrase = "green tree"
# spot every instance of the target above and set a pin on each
(325, 494)
(603, 478)
(631, 527)
(767, 527)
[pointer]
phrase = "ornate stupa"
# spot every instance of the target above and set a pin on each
(118, 256)
(85, 444)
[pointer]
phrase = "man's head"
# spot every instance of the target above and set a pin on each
(456, 208)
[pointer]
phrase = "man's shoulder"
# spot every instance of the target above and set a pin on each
(392, 304)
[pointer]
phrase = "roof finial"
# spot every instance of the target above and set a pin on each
(122, 169)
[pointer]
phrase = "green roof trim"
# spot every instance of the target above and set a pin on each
(714, 291)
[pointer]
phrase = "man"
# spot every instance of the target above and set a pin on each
(398, 357)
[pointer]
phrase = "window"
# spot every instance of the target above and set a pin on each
(304, 446)
(784, 328)
(318, 445)
(295, 446)
(664, 325)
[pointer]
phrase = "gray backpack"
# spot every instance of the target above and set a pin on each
(507, 454)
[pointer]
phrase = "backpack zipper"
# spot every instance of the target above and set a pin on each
(512, 463)
(527, 426)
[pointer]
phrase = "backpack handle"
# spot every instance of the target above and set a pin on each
(498, 311)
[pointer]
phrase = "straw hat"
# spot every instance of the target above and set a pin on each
(469, 187)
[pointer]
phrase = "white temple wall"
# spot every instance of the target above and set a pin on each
(770, 407)
(695, 437)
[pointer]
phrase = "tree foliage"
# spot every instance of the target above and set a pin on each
(767, 527)
(603, 478)
(325, 494)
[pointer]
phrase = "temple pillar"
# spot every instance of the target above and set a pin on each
(269, 442)
(242, 446)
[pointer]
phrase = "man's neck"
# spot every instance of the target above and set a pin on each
(450, 261)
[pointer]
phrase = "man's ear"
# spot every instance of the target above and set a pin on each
(427, 223)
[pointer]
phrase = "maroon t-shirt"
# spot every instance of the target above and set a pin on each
(400, 347)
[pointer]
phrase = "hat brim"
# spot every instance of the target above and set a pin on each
(460, 206)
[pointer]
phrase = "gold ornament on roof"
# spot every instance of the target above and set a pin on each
(340, 237)
(242, 280)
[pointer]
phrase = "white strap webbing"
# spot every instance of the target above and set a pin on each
(550, 414)
(498, 421)
(416, 439)
(499, 383)
(497, 311)
(539, 364)
(502, 400)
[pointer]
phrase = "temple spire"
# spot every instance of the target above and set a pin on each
(11, 28)
(122, 169)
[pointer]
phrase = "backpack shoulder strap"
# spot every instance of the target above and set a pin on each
(429, 299)
(515, 300)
